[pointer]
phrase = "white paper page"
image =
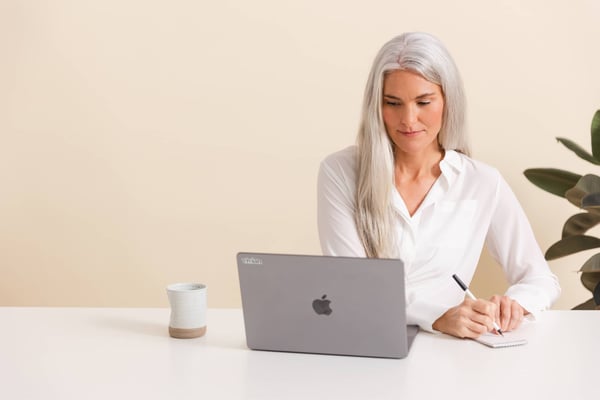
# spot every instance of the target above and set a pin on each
(510, 339)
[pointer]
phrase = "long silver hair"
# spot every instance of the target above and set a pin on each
(426, 55)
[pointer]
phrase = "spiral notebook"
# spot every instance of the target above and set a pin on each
(510, 339)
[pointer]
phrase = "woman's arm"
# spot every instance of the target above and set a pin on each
(336, 188)
(512, 244)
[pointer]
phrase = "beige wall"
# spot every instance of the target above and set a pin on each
(146, 142)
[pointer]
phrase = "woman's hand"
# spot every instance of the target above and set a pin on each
(509, 313)
(470, 319)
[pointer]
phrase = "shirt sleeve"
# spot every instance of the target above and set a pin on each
(512, 244)
(424, 313)
(335, 211)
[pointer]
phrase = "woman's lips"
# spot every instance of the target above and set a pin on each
(410, 133)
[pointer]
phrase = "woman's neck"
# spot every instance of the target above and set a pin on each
(414, 176)
(418, 166)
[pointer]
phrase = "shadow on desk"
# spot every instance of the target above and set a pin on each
(146, 325)
(136, 326)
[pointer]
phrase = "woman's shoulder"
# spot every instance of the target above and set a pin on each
(337, 175)
(474, 168)
(342, 160)
(338, 170)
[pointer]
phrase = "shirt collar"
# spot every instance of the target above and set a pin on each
(451, 166)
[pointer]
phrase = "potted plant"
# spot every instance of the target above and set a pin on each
(583, 192)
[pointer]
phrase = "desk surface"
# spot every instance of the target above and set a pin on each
(111, 353)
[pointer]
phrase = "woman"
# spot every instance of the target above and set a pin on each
(410, 190)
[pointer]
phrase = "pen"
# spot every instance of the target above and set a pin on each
(472, 297)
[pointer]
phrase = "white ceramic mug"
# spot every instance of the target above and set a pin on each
(188, 310)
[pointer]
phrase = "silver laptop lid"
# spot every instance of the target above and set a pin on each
(321, 304)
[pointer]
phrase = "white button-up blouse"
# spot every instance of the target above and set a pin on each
(469, 204)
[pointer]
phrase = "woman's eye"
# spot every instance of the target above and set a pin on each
(392, 103)
(423, 103)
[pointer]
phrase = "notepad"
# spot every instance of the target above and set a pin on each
(496, 341)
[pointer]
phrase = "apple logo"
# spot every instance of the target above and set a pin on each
(321, 306)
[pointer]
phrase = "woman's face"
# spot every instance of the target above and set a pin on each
(412, 109)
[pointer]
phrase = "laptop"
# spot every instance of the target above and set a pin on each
(324, 305)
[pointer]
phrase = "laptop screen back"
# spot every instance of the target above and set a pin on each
(321, 304)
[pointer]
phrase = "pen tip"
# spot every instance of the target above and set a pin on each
(500, 332)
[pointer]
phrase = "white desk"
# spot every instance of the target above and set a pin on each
(95, 353)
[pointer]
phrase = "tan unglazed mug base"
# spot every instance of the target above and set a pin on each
(187, 333)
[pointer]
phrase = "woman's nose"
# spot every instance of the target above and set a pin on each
(409, 115)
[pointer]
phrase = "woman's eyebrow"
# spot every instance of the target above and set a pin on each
(421, 96)
(425, 95)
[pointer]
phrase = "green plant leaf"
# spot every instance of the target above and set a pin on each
(552, 180)
(571, 245)
(587, 184)
(577, 149)
(590, 280)
(579, 224)
(596, 134)
(592, 264)
(592, 200)
(586, 305)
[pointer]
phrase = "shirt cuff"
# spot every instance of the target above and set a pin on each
(530, 298)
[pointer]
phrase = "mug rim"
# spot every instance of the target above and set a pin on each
(186, 287)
